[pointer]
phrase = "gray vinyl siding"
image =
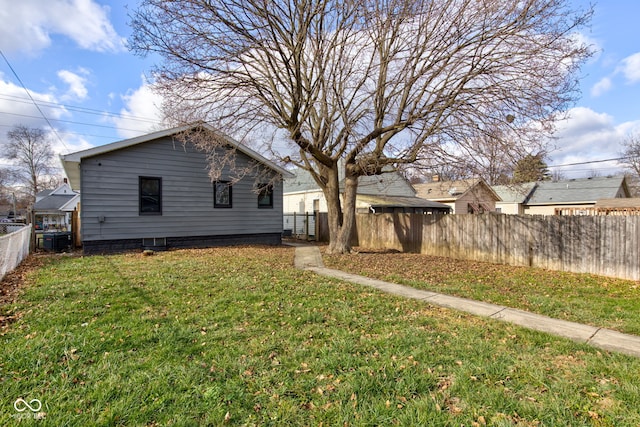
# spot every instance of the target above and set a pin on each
(110, 190)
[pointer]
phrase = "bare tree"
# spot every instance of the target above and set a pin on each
(631, 153)
(5, 174)
(631, 159)
(362, 87)
(491, 156)
(30, 151)
(5, 191)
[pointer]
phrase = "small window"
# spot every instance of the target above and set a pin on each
(265, 196)
(222, 194)
(150, 190)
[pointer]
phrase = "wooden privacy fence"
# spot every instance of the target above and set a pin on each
(603, 245)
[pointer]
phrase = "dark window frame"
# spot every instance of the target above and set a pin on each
(141, 197)
(229, 187)
(265, 190)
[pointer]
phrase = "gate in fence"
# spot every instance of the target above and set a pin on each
(300, 225)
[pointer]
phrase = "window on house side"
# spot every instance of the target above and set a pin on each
(150, 191)
(222, 194)
(265, 197)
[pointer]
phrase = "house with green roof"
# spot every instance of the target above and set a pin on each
(550, 197)
(386, 193)
(513, 197)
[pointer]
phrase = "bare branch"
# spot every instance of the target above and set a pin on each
(368, 84)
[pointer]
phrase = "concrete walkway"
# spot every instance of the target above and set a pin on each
(309, 258)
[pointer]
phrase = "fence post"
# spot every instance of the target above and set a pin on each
(32, 241)
(295, 230)
(316, 226)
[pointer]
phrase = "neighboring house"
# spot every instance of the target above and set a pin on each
(53, 208)
(552, 197)
(385, 193)
(154, 191)
(619, 203)
(620, 206)
(398, 204)
(514, 197)
(468, 196)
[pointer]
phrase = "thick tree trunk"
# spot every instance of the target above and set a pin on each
(341, 217)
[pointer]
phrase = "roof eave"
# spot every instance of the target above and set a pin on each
(71, 162)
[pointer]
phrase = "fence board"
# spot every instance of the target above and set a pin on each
(603, 245)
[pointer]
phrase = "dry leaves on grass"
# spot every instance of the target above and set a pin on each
(11, 285)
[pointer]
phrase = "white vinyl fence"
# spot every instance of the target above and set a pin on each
(14, 247)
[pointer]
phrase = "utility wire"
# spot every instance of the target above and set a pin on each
(588, 162)
(69, 121)
(83, 110)
(33, 100)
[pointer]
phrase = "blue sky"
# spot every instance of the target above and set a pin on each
(71, 56)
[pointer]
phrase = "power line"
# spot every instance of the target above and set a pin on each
(69, 122)
(68, 132)
(588, 162)
(83, 110)
(134, 118)
(32, 100)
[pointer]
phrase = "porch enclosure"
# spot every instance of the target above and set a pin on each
(602, 245)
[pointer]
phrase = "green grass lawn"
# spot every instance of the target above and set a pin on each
(583, 298)
(237, 336)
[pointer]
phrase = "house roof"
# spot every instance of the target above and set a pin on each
(399, 202)
(584, 190)
(53, 202)
(44, 193)
(300, 181)
(71, 161)
(516, 193)
(449, 191)
(385, 183)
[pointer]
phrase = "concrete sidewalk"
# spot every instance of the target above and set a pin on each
(309, 258)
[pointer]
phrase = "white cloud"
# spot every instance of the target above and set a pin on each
(77, 85)
(630, 67)
(587, 136)
(72, 143)
(142, 112)
(594, 45)
(27, 25)
(601, 87)
(18, 108)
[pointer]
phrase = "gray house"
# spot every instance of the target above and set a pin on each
(155, 191)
